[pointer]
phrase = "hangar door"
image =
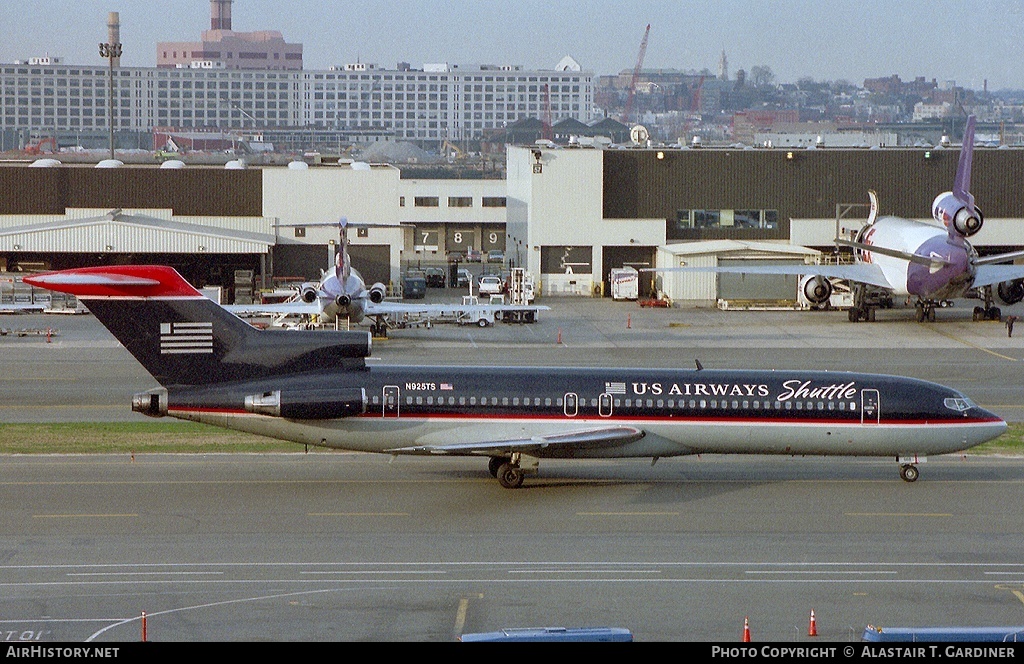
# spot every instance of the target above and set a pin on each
(373, 262)
(756, 286)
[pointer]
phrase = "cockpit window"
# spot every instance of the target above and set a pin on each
(959, 404)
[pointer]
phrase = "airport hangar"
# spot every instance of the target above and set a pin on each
(567, 214)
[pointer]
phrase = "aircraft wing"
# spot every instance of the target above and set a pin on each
(553, 445)
(23, 307)
(296, 308)
(867, 273)
(988, 275)
(1000, 258)
(404, 308)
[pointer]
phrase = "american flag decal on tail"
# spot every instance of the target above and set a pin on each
(185, 338)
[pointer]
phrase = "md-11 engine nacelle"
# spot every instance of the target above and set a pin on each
(309, 293)
(816, 289)
(377, 293)
(309, 404)
(954, 214)
(1011, 292)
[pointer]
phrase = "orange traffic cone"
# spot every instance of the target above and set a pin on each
(812, 630)
(746, 631)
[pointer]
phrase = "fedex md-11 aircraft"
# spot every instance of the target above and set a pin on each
(314, 387)
(898, 257)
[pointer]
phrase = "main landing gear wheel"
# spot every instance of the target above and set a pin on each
(510, 477)
(495, 463)
(909, 472)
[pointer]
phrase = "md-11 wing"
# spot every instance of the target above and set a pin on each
(554, 445)
(867, 273)
(988, 275)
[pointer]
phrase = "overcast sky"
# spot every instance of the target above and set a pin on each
(963, 41)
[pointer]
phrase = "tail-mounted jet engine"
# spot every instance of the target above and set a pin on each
(952, 213)
(343, 300)
(816, 289)
(308, 293)
(312, 404)
(1011, 292)
(377, 293)
(152, 403)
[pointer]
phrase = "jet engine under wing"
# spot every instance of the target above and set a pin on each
(867, 273)
(556, 444)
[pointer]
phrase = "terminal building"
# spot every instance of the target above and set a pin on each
(567, 215)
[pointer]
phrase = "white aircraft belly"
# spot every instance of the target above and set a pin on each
(679, 437)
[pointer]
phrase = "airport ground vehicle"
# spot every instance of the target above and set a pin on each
(414, 286)
(551, 634)
(490, 284)
(943, 634)
(465, 278)
(495, 256)
(435, 277)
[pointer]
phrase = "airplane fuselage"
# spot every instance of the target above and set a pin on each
(679, 411)
(951, 276)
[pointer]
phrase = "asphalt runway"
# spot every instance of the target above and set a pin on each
(345, 547)
(350, 547)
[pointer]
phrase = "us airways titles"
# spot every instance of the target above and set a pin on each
(791, 389)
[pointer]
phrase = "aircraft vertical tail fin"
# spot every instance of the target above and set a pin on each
(182, 337)
(956, 209)
(962, 183)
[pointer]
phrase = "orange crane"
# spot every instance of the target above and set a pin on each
(547, 113)
(37, 147)
(636, 75)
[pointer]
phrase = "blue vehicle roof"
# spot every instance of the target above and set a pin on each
(897, 634)
(541, 634)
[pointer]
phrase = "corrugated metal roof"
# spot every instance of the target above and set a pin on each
(726, 246)
(123, 232)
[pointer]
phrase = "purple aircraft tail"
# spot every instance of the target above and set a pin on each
(962, 184)
(955, 209)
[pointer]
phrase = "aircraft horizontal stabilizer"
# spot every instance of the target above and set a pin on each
(586, 438)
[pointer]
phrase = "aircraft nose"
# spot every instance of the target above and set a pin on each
(990, 425)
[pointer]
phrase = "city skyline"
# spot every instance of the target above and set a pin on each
(969, 43)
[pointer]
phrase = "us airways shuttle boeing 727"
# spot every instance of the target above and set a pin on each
(314, 387)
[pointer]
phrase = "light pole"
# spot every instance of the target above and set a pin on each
(110, 51)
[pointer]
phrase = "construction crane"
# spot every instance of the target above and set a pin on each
(694, 115)
(636, 75)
